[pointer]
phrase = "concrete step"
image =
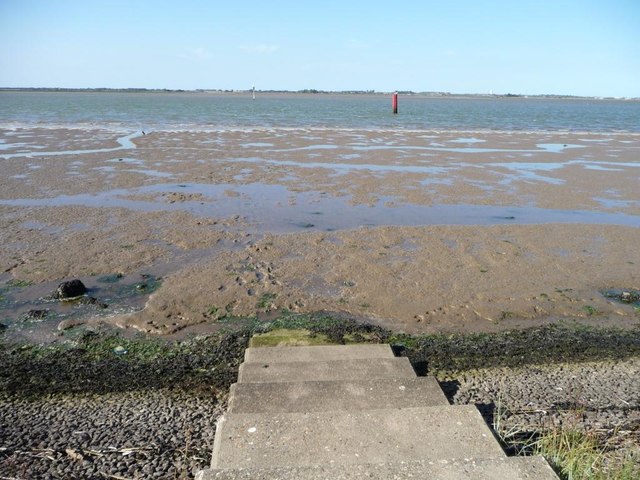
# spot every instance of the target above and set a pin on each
(512, 468)
(335, 395)
(316, 353)
(356, 369)
(249, 440)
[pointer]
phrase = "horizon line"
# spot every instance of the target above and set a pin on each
(310, 91)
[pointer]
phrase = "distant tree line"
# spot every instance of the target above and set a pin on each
(303, 91)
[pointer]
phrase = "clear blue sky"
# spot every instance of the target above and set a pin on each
(577, 47)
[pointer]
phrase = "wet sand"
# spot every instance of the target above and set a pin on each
(420, 231)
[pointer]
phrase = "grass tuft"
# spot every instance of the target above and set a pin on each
(575, 454)
(579, 455)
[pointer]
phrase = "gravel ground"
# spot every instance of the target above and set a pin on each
(105, 407)
(160, 434)
(168, 434)
(82, 410)
(601, 397)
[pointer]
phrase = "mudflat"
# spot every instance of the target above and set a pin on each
(421, 231)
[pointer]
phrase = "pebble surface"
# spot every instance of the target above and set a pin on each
(167, 434)
(601, 397)
(88, 411)
(157, 434)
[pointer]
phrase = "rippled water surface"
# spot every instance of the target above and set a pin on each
(192, 110)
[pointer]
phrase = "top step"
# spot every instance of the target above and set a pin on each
(316, 353)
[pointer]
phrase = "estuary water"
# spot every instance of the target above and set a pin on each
(203, 111)
(441, 160)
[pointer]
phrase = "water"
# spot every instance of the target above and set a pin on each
(341, 149)
(198, 111)
(267, 208)
(124, 141)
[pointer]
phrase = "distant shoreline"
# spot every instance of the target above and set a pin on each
(305, 92)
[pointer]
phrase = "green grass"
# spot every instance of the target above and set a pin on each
(560, 342)
(19, 283)
(506, 315)
(148, 285)
(288, 337)
(574, 454)
(579, 455)
(90, 364)
(356, 337)
(266, 299)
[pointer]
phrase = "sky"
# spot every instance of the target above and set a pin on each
(564, 47)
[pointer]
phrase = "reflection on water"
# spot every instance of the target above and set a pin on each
(349, 167)
(274, 208)
(124, 141)
(437, 147)
(526, 159)
(467, 140)
(529, 171)
(143, 171)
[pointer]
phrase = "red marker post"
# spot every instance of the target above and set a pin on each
(394, 102)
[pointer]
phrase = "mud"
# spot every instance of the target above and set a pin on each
(420, 231)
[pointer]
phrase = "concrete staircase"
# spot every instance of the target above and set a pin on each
(351, 412)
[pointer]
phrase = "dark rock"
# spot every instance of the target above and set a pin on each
(71, 289)
(629, 297)
(624, 296)
(92, 301)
